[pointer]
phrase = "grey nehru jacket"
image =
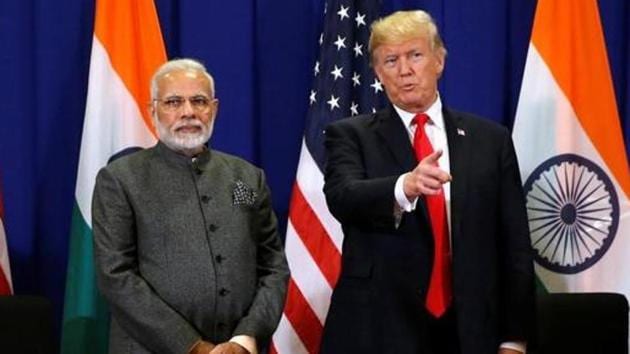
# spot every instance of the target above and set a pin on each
(186, 249)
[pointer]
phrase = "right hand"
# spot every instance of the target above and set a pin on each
(427, 178)
(202, 347)
(229, 348)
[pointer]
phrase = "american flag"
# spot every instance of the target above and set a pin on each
(5, 269)
(344, 85)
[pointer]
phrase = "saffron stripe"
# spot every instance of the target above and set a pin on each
(139, 52)
(563, 44)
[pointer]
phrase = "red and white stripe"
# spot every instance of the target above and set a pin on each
(313, 248)
(6, 286)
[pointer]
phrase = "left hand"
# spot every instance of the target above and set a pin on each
(229, 348)
(509, 351)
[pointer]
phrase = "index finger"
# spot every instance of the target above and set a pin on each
(433, 157)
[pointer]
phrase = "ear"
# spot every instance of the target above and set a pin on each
(215, 108)
(152, 112)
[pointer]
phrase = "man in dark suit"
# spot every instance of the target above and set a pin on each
(436, 250)
(185, 240)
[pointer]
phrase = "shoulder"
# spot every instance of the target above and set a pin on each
(362, 122)
(354, 122)
(474, 123)
(128, 161)
(233, 162)
(237, 167)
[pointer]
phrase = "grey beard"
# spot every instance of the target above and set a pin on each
(184, 142)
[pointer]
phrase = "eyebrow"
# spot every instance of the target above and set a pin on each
(193, 95)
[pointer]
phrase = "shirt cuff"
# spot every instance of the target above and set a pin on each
(401, 198)
(246, 342)
(520, 346)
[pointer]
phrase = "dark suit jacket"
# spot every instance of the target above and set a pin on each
(378, 303)
(186, 250)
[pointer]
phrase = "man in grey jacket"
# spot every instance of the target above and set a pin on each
(185, 240)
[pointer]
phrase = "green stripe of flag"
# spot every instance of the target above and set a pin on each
(85, 318)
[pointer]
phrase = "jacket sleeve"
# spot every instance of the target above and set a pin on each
(517, 256)
(136, 307)
(352, 195)
(264, 314)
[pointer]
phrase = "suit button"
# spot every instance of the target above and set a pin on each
(213, 227)
(223, 291)
(219, 258)
(205, 198)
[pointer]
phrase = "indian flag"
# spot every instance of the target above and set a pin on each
(571, 152)
(127, 48)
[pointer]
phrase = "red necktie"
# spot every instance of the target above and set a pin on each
(440, 293)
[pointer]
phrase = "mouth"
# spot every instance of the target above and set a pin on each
(188, 129)
(408, 87)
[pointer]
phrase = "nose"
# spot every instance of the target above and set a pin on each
(405, 67)
(187, 109)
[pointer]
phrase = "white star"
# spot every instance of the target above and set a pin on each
(377, 86)
(358, 49)
(360, 19)
(316, 69)
(355, 79)
(312, 97)
(333, 102)
(337, 73)
(373, 110)
(354, 109)
(343, 12)
(340, 42)
(321, 38)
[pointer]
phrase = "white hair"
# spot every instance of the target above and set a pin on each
(184, 64)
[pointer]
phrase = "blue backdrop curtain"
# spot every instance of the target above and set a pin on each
(261, 54)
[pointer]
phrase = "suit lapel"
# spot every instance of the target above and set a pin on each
(459, 155)
(390, 128)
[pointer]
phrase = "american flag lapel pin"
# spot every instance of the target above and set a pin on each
(461, 132)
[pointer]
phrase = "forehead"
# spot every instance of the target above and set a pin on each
(183, 82)
(418, 43)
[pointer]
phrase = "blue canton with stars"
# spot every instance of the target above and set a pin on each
(344, 84)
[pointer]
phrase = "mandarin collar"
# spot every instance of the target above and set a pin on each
(200, 160)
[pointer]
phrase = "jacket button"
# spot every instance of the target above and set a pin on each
(219, 258)
(205, 198)
(223, 291)
(213, 227)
